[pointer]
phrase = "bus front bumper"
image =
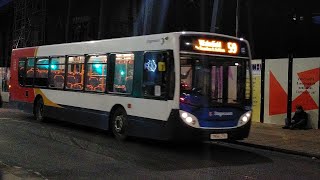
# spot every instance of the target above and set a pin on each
(184, 132)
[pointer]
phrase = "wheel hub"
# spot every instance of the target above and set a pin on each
(118, 124)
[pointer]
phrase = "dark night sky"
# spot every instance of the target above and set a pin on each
(276, 33)
(267, 24)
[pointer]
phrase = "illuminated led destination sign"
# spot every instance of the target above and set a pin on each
(217, 46)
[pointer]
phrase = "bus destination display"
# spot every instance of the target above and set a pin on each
(213, 45)
(216, 46)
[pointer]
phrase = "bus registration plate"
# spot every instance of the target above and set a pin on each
(219, 136)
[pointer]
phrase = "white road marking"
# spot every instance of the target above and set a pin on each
(4, 118)
(15, 120)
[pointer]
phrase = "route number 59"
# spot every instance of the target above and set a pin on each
(232, 48)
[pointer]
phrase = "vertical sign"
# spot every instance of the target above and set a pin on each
(305, 87)
(256, 90)
(276, 90)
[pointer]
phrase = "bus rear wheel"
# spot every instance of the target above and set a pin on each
(119, 124)
(38, 111)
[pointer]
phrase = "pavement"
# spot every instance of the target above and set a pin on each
(22, 139)
(17, 173)
(273, 137)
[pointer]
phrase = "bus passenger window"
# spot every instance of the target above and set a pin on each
(41, 74)
(75, 73)
(21, 72)
(96, 73)
(123, 73)
(57, 67)
(30, 72)
(154, 74)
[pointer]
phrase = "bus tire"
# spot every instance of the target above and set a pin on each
(38, 110)
(119, 124)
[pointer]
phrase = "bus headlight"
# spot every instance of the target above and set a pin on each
(244, 118)
(189, 119)
(184, 115)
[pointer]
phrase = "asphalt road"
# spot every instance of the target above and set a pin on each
(58, 150)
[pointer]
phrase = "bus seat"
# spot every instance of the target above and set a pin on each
(58, 81)
(69, 85)
(71, 79)
(93, 81)
(30, 73)
(102, 80)
(100, 88)
(77, 86)
(78, 77)
(89, 88)
(37, 73)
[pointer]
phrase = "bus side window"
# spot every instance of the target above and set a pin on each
(57, 72)
(41, 72)
(21, 71)
(30, 72)
(123, 73)
(96, 73)
(75, 72)
(155, 82)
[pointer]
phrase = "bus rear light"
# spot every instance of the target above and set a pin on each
(129, 106)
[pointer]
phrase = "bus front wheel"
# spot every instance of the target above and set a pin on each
(119, 124)
(38, 113)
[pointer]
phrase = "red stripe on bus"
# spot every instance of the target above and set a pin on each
(18, 93)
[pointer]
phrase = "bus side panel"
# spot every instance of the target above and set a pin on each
(19, 94)
(80, 116)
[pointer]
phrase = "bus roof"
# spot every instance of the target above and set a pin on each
(163, 41)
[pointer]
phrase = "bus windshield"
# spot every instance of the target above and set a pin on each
(207, 80)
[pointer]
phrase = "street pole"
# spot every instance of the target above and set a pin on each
(67, 22)
(101, 20)
(214, 16)
(237, 19)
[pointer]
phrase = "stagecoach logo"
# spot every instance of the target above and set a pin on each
(161, 40)
(220, 114)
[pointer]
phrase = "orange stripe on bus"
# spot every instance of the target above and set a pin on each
(46, 101)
